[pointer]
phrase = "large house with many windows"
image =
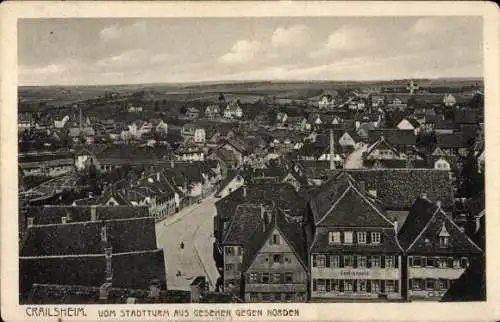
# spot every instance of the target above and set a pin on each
(353, 250)
(437, 251)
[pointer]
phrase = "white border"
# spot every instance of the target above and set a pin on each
(11, 11)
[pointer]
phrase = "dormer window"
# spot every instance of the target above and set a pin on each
(334, 237)
(444, 237)
(361, 237)
(375, 238)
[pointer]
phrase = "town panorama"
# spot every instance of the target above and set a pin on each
(252, 191)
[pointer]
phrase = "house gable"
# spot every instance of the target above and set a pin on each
(353, 209)
(405, 125)
(439, 225)
(438, 151)
(284, 247)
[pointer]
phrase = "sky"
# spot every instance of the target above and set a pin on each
(95, 51)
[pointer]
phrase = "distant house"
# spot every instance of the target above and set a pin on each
(25, 120)
(212, 111)
(135, 109)
(190, 154)
(326, 101)
(298, 123)
(233, 111)
(349, 138)
(159, 126)
(86, 133)
(62, 123)
(409, 124)
(449, 100)
(452, 144)
(192, 113)
(397, 104)
(313, 121)
(281, 118)
(232, 182)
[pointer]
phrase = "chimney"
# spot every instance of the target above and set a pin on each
(172, 165)
(396, 227)
(362, 186)
(438, 203)
(109, 267)
(332, 151)
(158, 176)
(93, 213)
(423, 195)
(244, 191)
(81, 119)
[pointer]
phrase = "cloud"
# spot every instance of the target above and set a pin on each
(127, 32)
(242, 51)
(295, 36)
(345, 39)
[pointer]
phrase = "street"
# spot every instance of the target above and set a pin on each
(355, 159)
(192, 226)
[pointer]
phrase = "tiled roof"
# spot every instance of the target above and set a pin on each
(343, 203)
(127, 152)
(455, 140)
(395, 137)
(283, 195)
(85, 237)
(398, 188)
(246, 220)
(388, 243)
(421, 230)
(43, 215)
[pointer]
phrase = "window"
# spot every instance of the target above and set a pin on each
(429, 284)
(229, 267)
(288, 277)
(229, 250)
(104, 235)
(276, 239)
(335, 261)
(375, 237)
(321, 285)
(64, 220)
(334, 237)
(444, 284)
(265, 278)
(277, 258)
(30, 221)
(238, 250)
(415, 284)
(275, 278)
(443, 262)
(375, 261)
(254, 277)
(389, 261)
(375, 286)
(444, 241)
(423, 261)
(348, 237)
(348, 261)
(362, 261)
(335, 285)
(321, 260)
(362, 286)
(390, 286)
(456, 263)
(361, 237)
(348, 286)
(464, 262)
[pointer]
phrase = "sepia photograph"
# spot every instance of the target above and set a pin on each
(250, 160)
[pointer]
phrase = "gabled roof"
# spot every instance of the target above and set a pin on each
(290, 230)
(381, 143)
(423, 226)
(395, 137)
(342, 203)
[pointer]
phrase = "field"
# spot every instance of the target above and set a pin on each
(246, 92)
